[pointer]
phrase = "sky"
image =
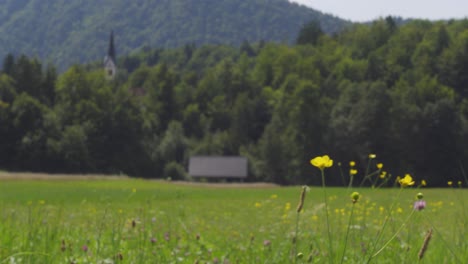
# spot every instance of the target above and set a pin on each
(366, 10)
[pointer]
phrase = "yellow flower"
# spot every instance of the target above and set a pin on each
(406, 181)
(258, 205)
(352, 171)
(459, 183)
(383, 174)
(273, 196)
(322, 162)
(352, 163)
(379, 166)
(423, 183)
(449, 183)
(372, 156)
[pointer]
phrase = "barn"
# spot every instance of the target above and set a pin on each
(218, 167)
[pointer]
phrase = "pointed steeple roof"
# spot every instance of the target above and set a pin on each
(111, 50)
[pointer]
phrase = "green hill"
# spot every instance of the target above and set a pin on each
(65, 32)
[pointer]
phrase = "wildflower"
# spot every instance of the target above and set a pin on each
(352, 171)
(459, 183)
(449, 183)
(84, 248)
(352, 163)
(322, 162)
(383, 174)
(406, 181)
(274, 196)
(419, 205)
(153, 240)
(266, 243)
(355, 197)
(379, 166)
(423, 183)
(287, 206)
(372, 156)
(258, 205)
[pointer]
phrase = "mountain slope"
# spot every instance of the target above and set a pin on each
(65, 32)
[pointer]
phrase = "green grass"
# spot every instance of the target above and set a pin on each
(137, 221)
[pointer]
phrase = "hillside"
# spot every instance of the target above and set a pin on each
(73, 31)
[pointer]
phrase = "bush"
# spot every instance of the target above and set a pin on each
(175, 171)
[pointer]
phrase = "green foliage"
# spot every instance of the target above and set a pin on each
(102, 220)
(396, 90)
(59, 31)
(175, 171)
(309, 33)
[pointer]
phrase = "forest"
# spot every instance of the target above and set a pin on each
(397, 91)
(58, 31)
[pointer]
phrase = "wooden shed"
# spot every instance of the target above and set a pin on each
(218, 167)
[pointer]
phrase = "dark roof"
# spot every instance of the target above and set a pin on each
(218, 166)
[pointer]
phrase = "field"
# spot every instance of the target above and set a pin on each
(121, 220)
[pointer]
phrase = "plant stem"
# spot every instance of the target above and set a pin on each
(443, 240)
(351, 178)
(366, 175)
(379, 236)
(330, 249)
(295, 237)
(347, 233)
(394, 235)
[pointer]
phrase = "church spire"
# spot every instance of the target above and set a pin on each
(109, 61)
(111, 50)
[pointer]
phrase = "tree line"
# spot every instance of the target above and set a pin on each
(396, 91)
(59, 31)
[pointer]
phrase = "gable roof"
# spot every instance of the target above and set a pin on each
(218, 166)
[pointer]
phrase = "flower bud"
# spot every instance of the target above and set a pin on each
(355, 197)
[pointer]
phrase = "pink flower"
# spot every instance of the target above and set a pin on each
(419, 205)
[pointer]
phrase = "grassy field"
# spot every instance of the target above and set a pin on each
(136, 221)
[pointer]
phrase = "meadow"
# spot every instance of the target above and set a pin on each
(122, 220)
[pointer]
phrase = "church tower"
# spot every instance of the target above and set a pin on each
(109, 61)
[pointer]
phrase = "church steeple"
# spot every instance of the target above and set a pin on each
(111, 50)
(109, 61)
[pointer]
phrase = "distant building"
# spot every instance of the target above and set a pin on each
(218, 167)
(110, 67)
